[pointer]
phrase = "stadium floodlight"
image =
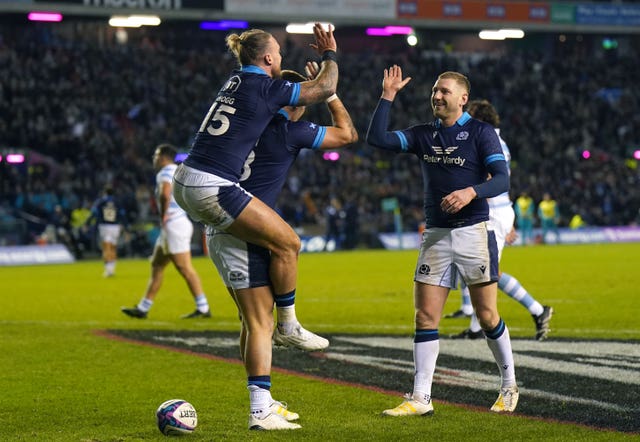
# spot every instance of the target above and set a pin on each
(512, 33)
(412, 40)
(146, 20)
(399, 30)
(134, 21)
(45, 16)
(118, 21)
(15, 158)
(390, 30)
(491, 35)
(306, 28)
(501, 34)
(223, 25)
(378, 32)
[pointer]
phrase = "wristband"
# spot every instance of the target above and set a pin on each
(330, 54)
(331, 98)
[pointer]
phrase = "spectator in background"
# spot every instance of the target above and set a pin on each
(524, 209)
(110, 217)
(549, 216)
(334, 219)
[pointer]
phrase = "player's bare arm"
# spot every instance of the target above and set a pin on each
(343, 131)
(326, 82)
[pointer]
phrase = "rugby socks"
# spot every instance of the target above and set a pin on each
(110, 267)
(426, 346)
(144, 305)
(201, 303)
(466, 306)
(259, 395)
(474, 325)
(286, 309)
(499, 342)
(512, 287)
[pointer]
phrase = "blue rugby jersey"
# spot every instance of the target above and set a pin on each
(241, 111)
(106, 211)
(266, 168)
(451, 158)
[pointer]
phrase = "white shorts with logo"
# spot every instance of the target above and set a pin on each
(109, 233)
(501, 219)
(241, 265)
(208, 198)
(175, 236)
(467, 252)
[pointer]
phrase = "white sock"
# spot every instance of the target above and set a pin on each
(425, 355)
(259, 401)
(474, 325)
(201, 303)
(501, 348)
(466, 307)
(287, 319)
(145, 305)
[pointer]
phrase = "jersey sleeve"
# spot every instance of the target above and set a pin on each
(379, 136)
(281, 93)
(305, 134)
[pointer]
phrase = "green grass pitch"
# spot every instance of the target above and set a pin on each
(60, 381)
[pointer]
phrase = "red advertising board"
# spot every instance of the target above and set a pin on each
(475, 10)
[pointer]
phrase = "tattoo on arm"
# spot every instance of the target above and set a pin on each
(322, 87)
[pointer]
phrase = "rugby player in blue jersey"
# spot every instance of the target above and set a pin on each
(502, 217)
(457, 153)
(109, 216)
(244, 267)
(206, 185)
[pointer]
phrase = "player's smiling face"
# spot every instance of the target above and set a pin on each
(447, 100)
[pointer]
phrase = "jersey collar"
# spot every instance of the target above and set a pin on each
(461, 121)
(251, 68)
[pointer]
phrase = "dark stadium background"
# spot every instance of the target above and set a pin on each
(86, 108)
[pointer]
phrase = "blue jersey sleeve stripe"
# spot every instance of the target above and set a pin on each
(317, 142)
(295, 94)
(404, 144)
(494, 157)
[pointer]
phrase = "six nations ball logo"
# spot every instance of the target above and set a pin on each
(593, 383)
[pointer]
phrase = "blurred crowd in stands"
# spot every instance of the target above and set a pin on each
(88, 108)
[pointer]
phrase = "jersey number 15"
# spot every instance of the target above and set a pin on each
(217, 122)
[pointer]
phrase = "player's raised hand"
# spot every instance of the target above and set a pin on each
(393, 82)
(324, 39)
(311, 69)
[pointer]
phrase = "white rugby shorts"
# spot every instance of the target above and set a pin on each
(467, 252)
(208, 198)
(109, 233)
(501, 219)
(175, 236)
(241, 265)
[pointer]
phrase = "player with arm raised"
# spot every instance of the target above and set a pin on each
(207, 185)
(456, 153)
(244, 266)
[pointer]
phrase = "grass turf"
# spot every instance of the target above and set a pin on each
(62, 382)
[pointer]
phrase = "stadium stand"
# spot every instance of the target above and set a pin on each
(87, 108)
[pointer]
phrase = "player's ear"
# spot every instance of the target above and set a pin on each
(268, 59)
